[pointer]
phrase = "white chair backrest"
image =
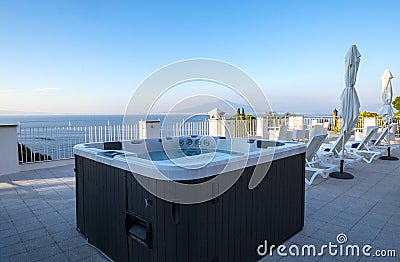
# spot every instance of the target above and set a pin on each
(313, 146)
(369, 121)
(317, 130)
(393, 128)
(295, 122)
(338, 145)
(382, 136)
(367, 138)
(301, 127)
(282, 132)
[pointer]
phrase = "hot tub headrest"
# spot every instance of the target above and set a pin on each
(112, 146)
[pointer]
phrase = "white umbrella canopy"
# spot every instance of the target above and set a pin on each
(349, 101)
(386, 111)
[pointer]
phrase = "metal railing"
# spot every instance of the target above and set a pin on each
(185, 128)
(37, 144)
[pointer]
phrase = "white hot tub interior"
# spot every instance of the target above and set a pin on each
(185, 157)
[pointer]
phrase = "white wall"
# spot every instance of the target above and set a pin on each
(369, 121)
(221, 127)
(149, 129)
(262, 127)
(8, 149)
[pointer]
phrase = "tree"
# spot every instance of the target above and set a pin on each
(368, 114)
(396, 103)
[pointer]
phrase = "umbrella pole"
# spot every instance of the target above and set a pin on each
(341, 174)
(388, 157)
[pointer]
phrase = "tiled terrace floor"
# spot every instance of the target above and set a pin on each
(37, 218)
(366, 209)
(37, 214)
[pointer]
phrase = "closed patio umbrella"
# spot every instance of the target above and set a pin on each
(386, 111)
(349, 102)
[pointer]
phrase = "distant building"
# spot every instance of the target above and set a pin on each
(216, 114)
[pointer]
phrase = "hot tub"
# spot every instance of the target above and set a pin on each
(128, 204)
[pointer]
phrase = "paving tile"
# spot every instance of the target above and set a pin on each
(12, 250)
(44, 252)
(60, 257)
(97, 258)
(48, 209)
(33, 234)
(9, 241)
(366, 209)
(311, 226)
(21, 257)
(375, 219)
(36, 243)
(7, 225)
(39, 206)
(28, 226)
(390, 227)
(387, 240)
(72, 243)
(83, 251)
(8, 232)
(51, 219)
(66, 234)
(55, 228)
(347, 221)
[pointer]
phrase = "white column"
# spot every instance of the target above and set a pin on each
(8, 149)
(149, 129)
(262, 127)
(221, 127)
(213, 127)
(228, 128)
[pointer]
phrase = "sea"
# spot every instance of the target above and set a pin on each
(91, 120)
(55, 135)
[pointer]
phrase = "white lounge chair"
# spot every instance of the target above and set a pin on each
(317, 129)
(299, 133)
(279, 134)
(364, 148)
(381, 141)
(313, 162)
(333, 153)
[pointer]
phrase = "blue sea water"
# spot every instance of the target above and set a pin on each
(55, 135)
(89, 120)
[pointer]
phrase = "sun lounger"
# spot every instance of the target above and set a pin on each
(313, 162)
(364, 148)
(381, 142)
(333, 153)
(279, 134)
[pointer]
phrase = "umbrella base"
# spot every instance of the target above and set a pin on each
(389, 158)
(343, 175)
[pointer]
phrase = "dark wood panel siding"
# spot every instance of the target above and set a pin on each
(228, 228)
(79, 187)
(101, 201)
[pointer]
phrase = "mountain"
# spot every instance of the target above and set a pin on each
(200, 105)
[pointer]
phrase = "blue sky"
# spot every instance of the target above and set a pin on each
(83, 57)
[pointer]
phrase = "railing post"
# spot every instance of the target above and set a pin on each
(8, 149)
